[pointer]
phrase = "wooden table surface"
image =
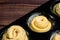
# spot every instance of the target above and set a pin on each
(11, 10)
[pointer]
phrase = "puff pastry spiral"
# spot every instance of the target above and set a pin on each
(56, 9)
(40, 24)
(15, 32)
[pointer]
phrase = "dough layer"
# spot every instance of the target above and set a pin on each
(15, 32)
(40, 24)
(56, 9)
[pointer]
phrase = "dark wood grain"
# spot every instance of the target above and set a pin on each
(24, 1)
(10, 12)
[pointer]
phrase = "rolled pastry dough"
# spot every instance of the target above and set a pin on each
(56, 9)
(56, 37)
(15, 32)
(40, 24)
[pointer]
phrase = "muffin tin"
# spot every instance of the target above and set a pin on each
(44, 10)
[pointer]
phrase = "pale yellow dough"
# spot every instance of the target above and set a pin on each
(40, 24)
(56, 9)
(15, 32)
(56, 37)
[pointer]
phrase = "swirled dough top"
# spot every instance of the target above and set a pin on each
(40, 24)
(56, 9)
(15, 32)
(56, 37)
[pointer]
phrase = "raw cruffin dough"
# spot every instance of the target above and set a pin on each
(15, 32)
(56, 9)
(56, 37)
(40, 24)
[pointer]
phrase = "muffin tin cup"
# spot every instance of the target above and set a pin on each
(54, 33)
(49, 17)
(52, 6)
(5, 29)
